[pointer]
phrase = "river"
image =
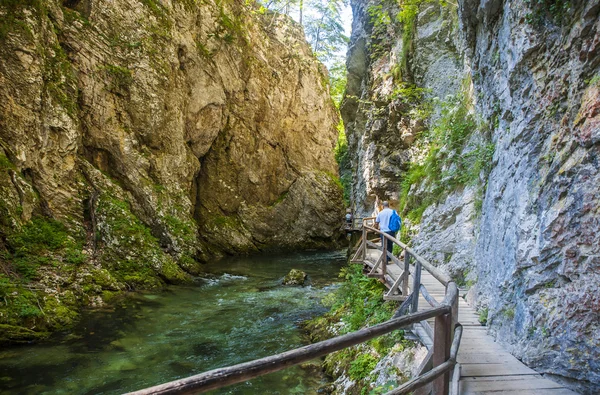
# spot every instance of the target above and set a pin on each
(235, 312)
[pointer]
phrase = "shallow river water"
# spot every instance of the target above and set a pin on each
(236, 312)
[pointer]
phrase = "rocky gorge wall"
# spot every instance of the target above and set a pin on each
(141, 138)
(479, 121)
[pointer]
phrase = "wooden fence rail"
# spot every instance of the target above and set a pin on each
(222, 377)
(446, 339)
(443, 334)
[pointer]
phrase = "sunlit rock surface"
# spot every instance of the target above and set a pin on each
(160, 134)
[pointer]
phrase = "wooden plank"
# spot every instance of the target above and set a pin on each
(496, 369)
(546, 391)
(508, 383)
(512, 385)
(480, 357)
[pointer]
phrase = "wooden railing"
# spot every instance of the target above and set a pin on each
(401, 289)
(436, 369)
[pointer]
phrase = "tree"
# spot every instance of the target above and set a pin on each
(323, 28)
(321, 20)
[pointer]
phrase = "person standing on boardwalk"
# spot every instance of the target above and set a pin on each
(388, 222)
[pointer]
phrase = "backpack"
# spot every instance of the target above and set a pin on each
(395, 222)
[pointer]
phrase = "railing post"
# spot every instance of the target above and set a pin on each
(453, 322)
(384, 244)
(442, 340)
(364, 242)
(406, 272)
(416, 286)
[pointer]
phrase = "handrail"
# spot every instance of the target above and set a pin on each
(435, 372)
(445, 346)
(430, 299)
(435, 272)
(222, 377)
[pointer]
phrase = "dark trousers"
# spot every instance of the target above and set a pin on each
(390, 245)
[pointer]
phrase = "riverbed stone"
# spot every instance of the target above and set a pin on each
(295, 277)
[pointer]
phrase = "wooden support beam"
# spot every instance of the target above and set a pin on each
(416, 286)
(396, 284)
(406, 272)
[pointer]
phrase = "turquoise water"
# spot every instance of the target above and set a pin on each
(236, 312)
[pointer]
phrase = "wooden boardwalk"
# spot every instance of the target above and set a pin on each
(485, 367)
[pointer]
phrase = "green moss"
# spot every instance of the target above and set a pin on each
(361, 366)
(5, 163)
(120, 78)
(18, 334)
(280, 198)
(59, 79)
(334, 179)
(189, 264)
(42, 241)
(60, 313)
(129, 250)
(183, 230)
(173, 273)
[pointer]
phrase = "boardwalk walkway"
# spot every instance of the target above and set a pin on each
(485, 367)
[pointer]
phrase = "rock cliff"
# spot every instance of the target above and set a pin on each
(480, 121)
(140, 138)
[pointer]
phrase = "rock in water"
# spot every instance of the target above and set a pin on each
(295, 277)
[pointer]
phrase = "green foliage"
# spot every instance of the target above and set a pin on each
(378, 16)
(323, 28)
(361, 366)
(453, 160)
(203, 50)
(509, 313)
(483, 316)
(594, 81)
(408, 17)
(383, 389)
(120, 78)
(362, 298)
(358, 302)
(337, 82)
(556, 11)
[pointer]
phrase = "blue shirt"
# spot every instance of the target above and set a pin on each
(383, 219)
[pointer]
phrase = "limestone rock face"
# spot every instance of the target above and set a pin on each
(538, 251)
(161, 134)
(523, 234)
